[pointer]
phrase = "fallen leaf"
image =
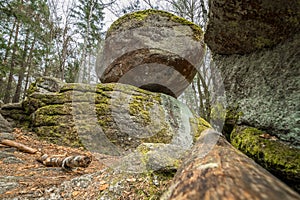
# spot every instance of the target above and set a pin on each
(75, 193)
(103, 187)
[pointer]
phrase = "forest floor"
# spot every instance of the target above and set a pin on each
(23, 177)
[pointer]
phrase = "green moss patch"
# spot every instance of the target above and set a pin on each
(199, 125)
(141, 16)
(277, 157)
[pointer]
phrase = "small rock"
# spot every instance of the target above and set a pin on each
(6, 186)
(7, 136)
(82, 182)
(12, 160)
(5, 155)
(5, 126)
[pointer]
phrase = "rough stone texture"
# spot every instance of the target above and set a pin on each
(111, 118)
(239, 27)
(7, 183)
(5, 126)
(15, 114)
(152, 157)
(264, 87)
(45, 84)
(6, 136)
(278, 158)
(216, 170)
(153, 50)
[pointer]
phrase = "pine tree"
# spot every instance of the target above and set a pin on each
(89, 24)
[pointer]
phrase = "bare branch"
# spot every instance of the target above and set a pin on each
(19, 146)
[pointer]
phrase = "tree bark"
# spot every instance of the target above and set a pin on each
(216, 170)
(28, 64)
(66, 163)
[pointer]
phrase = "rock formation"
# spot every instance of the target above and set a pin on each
(262, 83)
(112, 119)
(152, 132)
(5, 126)
(256, 48)
(153, 50)
(124, 114)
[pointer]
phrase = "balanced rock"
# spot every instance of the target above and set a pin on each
(152, 50)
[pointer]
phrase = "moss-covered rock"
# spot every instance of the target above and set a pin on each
(152, 157)
(139, 18)
(277, 157)
(15, 114)
(236, 27)
(111, 118)
(45, 84)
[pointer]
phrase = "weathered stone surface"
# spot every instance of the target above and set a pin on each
(153, 50)
(264, 87)
(275, 156)
(152, 157)
(216, 170)
(12, 160)
(6, 136)
(5, 126)
(15, 114)
(112, 118)
(45, 84)
(238, 27)
(4, 154)
(6, 184)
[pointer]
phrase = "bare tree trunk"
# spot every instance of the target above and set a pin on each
(204, 12)
(28, 64)
(216, 170)
(82, 62)
(63, 56)
(89, 70)
(17, 95)
(7, 95)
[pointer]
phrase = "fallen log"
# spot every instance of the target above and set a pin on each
(216, 170)
(66, 163)
(19, 146)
